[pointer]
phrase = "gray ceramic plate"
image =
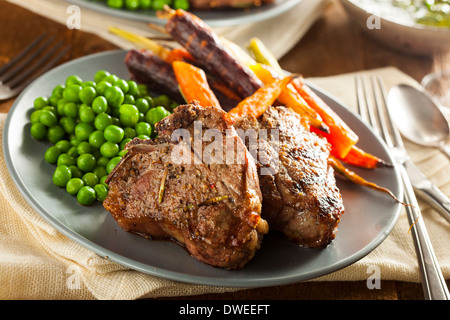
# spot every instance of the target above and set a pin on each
(368, 219)
(214, 18)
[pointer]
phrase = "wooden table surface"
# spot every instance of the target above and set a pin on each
(345, 49)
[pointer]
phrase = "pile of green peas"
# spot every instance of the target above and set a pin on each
(134, 5)
(88, 124)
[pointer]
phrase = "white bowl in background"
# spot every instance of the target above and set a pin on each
(397, 32)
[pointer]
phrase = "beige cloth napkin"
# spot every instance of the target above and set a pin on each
(280, 33)
(37, 262)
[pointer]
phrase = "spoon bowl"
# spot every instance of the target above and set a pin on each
(419, 118)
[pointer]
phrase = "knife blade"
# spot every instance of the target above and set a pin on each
(428, 191)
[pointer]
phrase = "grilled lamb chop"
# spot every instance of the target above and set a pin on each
(161, 190)
(300, 196)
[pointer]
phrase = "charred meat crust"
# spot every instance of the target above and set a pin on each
(211, 209)
(301, 198)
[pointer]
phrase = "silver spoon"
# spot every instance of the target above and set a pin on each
(419, 118)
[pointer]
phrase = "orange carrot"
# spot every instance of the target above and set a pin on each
(360, 158)
(290, 97)
(178, 54)
(256, 104)
(194, 84)
(353, 177)
(341, 137)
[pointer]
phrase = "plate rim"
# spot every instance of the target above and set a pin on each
(257, 16)
(180, 276)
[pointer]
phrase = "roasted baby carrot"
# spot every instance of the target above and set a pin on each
(353, 177)
(210, 53)
(257, 103)
(341, 137)
(194, 85)
(360, 158)
(290, 97)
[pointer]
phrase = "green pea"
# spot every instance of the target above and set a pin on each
(112, 163)
(76, 172)
(143, 128)
(86, 162)
(60, 106)
(132, 4)
(68, 124)
(122, 153)
(34, 116)
(122, 84)
(40, 102)
(181, 4)
(65, 159)
(51, 154)
(87, 95)
(71, 93)
(38, 131)
(87, 115)
(74, 185)
(130, 133)
(100, 74)
(102, 120)
(111, 78)
(73, 79)
(48, 118)
(50, 108)
(124, 142)
(96, 139)
(114, 96)
(155, 115)
(143, 105)
(89, 84)
(99, 105)
(102, 161)
(101, 192)
(61, 175)
(132, 87)
(55, 134)
(71, 110)
(102, 86)
(162, 100)
(90, 179)
(86, 196)
(63, 145)
(109, 149)
(84, 147)
(58, 90)
(73, 151)
(114, 133)
(129, 115)
(83, 130)
(103, 181)
(142, 90)
(158, 4)
(100, 171)
(129, 99)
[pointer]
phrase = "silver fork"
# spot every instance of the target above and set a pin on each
(38, 57)
(373, 109)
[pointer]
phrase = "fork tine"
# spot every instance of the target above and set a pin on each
(38, 63)
(16, 67)
(8, 65)
(394, 138)
(365, 104)
(50, 64)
